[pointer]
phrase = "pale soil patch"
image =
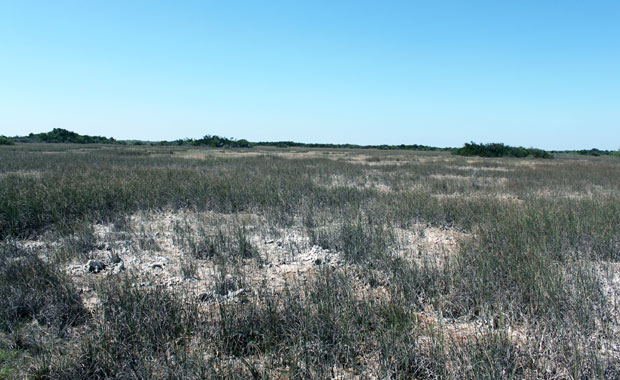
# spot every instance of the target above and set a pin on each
(150, 249)
(591, 192)
(479, 180)
(22, 173)
(425, 244)
(204, 154)
(480, 168)
(506, 197)
(222, 153)
(37, 245)
(286, 259)
(152, 252)
(349, 157)
(371, 160)
(524, 163)
(451, 177)
(609, 274)
(443, 160)
(364, 183)
(461, 331)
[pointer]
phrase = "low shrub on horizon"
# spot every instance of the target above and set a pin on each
(500, 150)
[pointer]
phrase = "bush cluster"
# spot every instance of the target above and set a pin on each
(59, 135)
(500, 150)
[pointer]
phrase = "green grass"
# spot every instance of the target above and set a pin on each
(7, 359)
(537, 235)
(33, 289)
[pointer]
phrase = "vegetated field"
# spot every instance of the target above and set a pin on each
(180, 263)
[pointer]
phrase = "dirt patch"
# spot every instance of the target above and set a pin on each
(23, 173)
(609, 275)
(460, 331)
(335, 181)
(505, 197)
(481, 168)
(426, 244)
(151, 248)
(373, 160)
(343, 156)
(474, 179)
(591, 192)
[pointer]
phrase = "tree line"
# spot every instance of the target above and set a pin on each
(59, 135)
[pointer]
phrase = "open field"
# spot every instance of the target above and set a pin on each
(139, 262)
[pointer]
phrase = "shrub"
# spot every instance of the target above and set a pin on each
(500, 150)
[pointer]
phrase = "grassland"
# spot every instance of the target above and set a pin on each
(305, 263)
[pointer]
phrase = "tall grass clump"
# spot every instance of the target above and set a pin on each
(363, 240)
(32, 289)
(139, 333)
(320, 328)
(231, 244)
(70, 188)
(522, 271)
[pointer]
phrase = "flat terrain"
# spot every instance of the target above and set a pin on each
(140, 262)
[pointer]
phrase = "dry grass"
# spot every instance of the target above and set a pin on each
(307, 263)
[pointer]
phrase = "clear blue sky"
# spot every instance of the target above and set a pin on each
(532, 73)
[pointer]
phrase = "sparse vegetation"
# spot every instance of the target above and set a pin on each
(323, 263)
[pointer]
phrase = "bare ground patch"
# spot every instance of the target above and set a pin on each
(359, 183)
(23, 173)
(506, 197)
(424, 244)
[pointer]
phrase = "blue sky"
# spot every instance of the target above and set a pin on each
(531, 73)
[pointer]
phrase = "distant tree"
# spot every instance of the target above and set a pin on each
(499, 150)
(243, 143)
(59, 135)
(215, 141)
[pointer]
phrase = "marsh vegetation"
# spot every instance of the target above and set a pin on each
(306, 263)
